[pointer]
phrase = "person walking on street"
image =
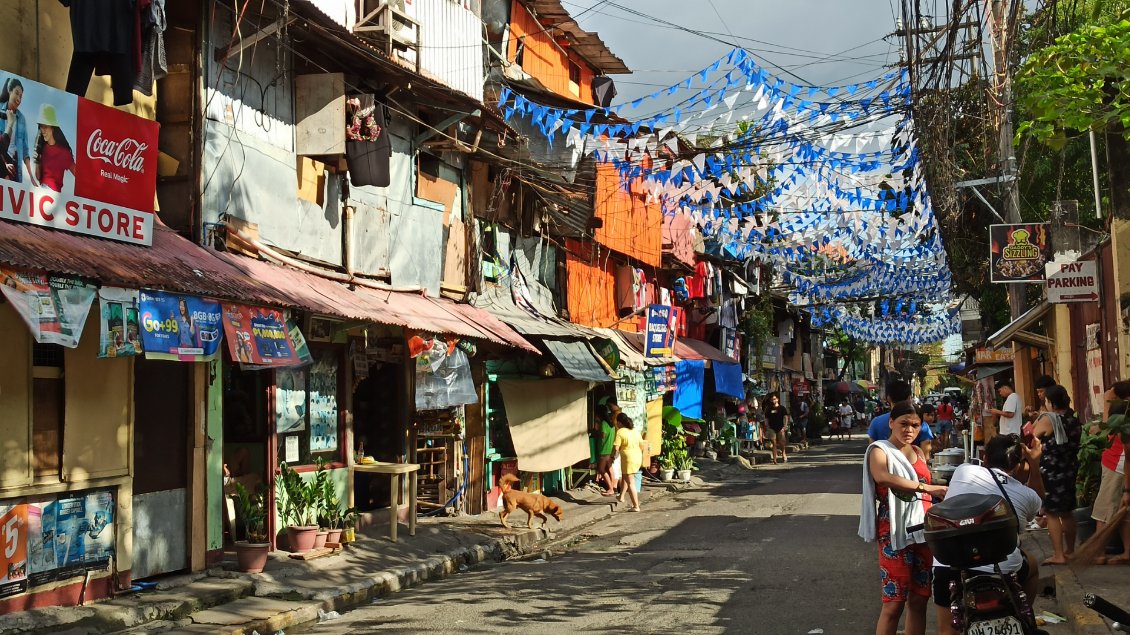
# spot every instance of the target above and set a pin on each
(896, 494)
(1006, 461)
(629, 446)
(1012, 412)
(946, 415)
(607, 410)
(847, 418)
(777, 416)
(1058, 431)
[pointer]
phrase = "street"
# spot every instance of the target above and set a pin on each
(772, 550)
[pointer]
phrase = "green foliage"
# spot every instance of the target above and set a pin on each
(252, 510)
(1077, 84)
(301, 500)
(1091, 447)
(674, 451)
(850, 350)
(757, 327)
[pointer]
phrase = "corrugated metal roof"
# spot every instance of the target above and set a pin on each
(578, 359)
(588, 45)
(174, 263)
(527, 324)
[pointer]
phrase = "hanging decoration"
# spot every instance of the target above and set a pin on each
(824, 184)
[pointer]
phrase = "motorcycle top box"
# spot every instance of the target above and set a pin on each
(971, 530)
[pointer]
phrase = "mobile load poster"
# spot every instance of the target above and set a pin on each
(13, 549)
(54, 308)
(259, 336)
(659, 338)
(179, 327)
(1018, 252)
(120, 329)
(75, 165)
(70, 535)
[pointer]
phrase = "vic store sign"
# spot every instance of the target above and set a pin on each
(73, 164)
(1073, 281)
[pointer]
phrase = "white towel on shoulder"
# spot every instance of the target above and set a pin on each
(903, 514)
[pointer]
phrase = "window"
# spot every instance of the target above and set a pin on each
(520, 50)
(48, 398)
(306, 409)
(574, 73)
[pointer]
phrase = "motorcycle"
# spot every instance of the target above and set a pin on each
(975, 530)
(1120, 619)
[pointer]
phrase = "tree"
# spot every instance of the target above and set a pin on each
(1077, 84)
(849, 349)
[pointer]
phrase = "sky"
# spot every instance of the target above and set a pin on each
(808, 42)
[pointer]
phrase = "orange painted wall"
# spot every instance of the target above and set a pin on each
(542, 58)
(591, 286)
(631, 226)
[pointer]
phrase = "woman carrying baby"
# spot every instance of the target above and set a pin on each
(896, 494)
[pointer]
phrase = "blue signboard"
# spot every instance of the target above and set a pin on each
(659, 340)
(179, 327)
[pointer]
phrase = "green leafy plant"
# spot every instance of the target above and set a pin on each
(300, 500)
(685, 463)
(1091, 448)
(252, 510)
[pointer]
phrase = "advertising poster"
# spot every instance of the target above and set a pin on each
(299, 342)
(70, 535)
(179, 327)
(290, 400)
(54, 308)
(98, 529)
(323, 403)
(75, 165)
(259, 336)
(13, 549)
(120, 330)
(660, 336)
(41, 543)
(1018, 252)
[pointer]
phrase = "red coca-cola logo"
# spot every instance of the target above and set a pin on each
(126, 153)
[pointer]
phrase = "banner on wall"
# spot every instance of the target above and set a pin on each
(120, 330)
(179, 327)
(259, 336)
(1018, 252)
(659, 339)
(98, 174)
(53, 307)
(13, 549)
(70, 535)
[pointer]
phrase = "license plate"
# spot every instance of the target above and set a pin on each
(1000, 626)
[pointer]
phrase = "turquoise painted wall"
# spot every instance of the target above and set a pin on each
(214, 459)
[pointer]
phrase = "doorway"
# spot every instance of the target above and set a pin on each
(379, 424)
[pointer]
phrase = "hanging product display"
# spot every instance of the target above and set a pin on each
(53, 307)
(120, 328)
(259, 336)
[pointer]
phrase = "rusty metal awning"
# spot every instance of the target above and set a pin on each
(174, 263)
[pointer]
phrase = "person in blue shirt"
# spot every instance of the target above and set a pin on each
(880, 427)
(13, 131)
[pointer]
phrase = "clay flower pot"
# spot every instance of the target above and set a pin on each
(334, 537)
(301, 539)
(320, 539)
(252, 556)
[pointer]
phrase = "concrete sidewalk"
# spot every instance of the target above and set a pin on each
(1112, 582)
(291, 592)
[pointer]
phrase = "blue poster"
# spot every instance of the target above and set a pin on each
(179, 327)
(688, 390)
(659, 340)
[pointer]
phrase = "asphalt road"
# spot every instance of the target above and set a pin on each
(770, 550)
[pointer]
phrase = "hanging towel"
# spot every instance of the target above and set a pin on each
(154, 66)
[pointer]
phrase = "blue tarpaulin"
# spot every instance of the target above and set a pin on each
(728, 379)
(690, 378)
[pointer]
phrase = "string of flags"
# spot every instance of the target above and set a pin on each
(824, 184)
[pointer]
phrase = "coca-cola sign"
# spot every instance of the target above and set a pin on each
(85, 167)
(124, 153)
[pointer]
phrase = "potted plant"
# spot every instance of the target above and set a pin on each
(335, 515)
(685, 466)
(299, 502)
(349, 525)
(667, 468)
(251, 554)
(323, 492)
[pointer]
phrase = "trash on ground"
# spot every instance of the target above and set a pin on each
(1050, 618)
(327, 615)
(815, 631)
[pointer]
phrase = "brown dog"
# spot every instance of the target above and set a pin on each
(533, 504)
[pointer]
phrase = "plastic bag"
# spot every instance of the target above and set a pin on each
(448, 386)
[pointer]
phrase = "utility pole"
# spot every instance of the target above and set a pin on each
(1002, 17)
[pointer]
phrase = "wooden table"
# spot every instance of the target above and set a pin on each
(395, 470)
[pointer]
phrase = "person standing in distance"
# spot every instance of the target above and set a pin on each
(777, 416)
(1012, 412)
